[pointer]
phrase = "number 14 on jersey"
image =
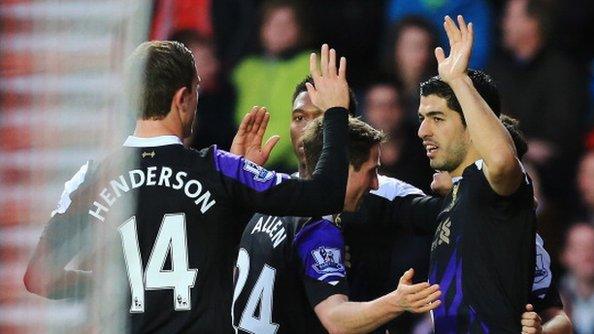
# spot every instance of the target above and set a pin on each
(172, 239)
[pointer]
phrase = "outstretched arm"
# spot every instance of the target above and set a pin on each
(489, 137)
(339, 315)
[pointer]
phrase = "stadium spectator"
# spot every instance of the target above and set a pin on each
(544, 90)
(585, 184)
(229, 23)
(403, 156)
(409, 59)
(577, 286)
(217, 96)
(268, 78)
(477, 11)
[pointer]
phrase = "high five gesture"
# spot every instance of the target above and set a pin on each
(330, 87)
(460, 38)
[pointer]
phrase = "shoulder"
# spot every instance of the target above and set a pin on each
(245, 66)
(476, 174)
(245, 171)
(319, 231)
(302, 57)
(82, 176)
(320, 246)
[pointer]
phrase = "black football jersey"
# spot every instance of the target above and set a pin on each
(285, 267)
(483, 256)
(176, 216)
(393, 209)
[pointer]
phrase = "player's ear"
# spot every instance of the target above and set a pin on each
(180, 98)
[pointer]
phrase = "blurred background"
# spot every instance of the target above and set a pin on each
(61, 103)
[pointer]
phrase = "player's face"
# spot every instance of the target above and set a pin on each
(444, 136)
(304, 112)
(362, 181)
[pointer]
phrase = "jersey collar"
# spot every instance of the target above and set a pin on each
(133, 141)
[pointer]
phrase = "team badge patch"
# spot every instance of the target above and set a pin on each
(260, 173)
(327, 261)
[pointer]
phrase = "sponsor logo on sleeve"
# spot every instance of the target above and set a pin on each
(327, 262)
(260, 173)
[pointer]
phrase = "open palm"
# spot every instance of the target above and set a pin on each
(460, 38)
(248, 140)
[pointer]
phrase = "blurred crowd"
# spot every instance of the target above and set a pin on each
(539, 52)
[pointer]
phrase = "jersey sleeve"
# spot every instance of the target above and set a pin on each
(254, 188)
(69, 230)
(320, 252)
(544, 291)
(523, 193)
(401, 204)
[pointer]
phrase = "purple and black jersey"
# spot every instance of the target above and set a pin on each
(483, 256)
(176, 216)
(285, 267)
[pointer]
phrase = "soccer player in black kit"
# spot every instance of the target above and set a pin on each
(291, 275)
(482, 254)
(173, 214)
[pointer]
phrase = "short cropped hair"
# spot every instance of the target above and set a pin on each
(353, 105)
(483, 83)
(155, 71)
(362, 137)
(191, 36)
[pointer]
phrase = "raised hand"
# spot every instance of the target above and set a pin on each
(460, 38)
(416, 298)
(248, 139)
(330, 88)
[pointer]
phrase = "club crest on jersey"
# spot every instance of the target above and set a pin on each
(148, 154)
(260, 173)
(327, 260)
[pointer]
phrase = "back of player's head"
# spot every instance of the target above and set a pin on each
(190, 36)
(155, 71)
(512, 126)
(301, 88)
(483, 83)
(362, 138)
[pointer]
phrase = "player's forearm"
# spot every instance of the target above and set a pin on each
(58, 285)
(360, 317)
(332, 168)
(488, 135)
(558, 324)
(73, 283)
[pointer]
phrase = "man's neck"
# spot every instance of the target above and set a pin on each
(469, 160)
(155, 128)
